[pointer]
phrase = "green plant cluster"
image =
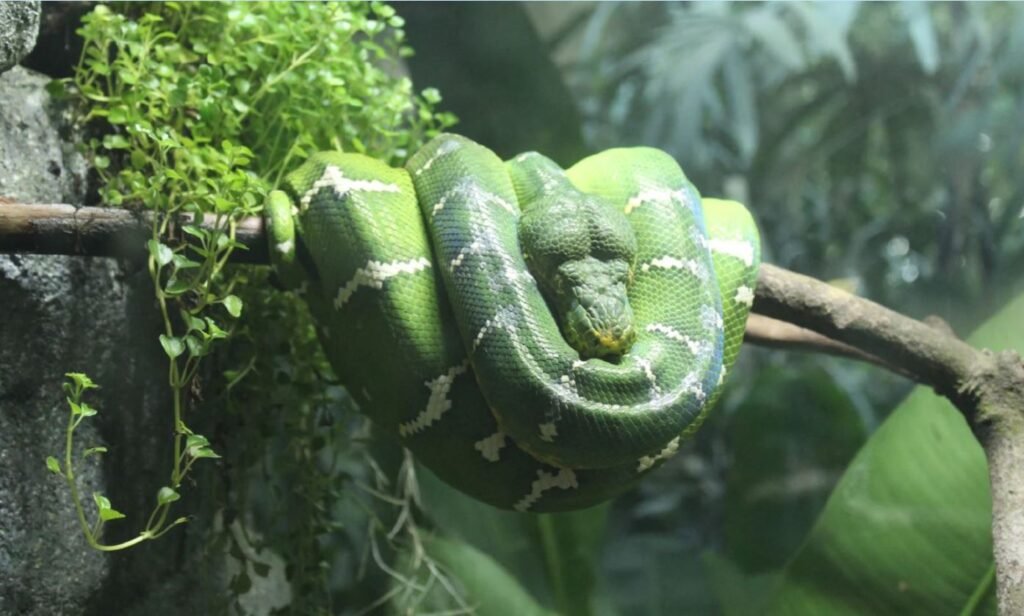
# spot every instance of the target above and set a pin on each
(197, 110)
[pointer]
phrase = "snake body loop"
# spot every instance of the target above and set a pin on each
(543, 381)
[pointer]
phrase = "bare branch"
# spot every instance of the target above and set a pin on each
(61, 229)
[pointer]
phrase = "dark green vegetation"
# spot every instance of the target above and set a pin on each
(878, 144)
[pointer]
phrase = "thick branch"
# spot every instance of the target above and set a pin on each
(791, 311)
(932, 355)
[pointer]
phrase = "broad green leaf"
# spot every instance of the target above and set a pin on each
(555, 556)
(480, 585)
(792, 437)
(907, 530)
(738, 593)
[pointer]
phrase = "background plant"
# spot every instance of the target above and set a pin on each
(197, 111)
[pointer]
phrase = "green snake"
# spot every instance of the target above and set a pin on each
(539, 338)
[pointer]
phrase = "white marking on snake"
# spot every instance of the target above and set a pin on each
(445, 148)
(490, 446)
(375, 273)
(673, 334)
(745, 296)
(548, 431)
(439, 205)
(670, 450)
(711, 318)
(645, 365)
(649, 195)
(457, 261)
(437, 404)
(565, 479)
(285, 247)
(670, 262)
(480, 334)
(334, 178)
(740, 249)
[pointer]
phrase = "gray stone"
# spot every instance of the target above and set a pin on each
(73, 314)
(64, 314)
(19, 27)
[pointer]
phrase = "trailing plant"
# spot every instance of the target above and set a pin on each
(197, 111)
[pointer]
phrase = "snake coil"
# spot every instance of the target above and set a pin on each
(539, 338)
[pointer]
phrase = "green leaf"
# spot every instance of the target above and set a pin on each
(107, 512)
(787, 458)
(172, 346)
(908, 528)
(215, 330)
(115, 142)
(160, 251)
(81, 380)
(166, 495)
(138, 159)
(183, 262)
(195, 231)
(196, 440)
(118, 115)
(195, 347)
(552, 554)
(176, 286)
(102, 502)
(233, 305)
(199, 447)
(53, 465)
(482, 584)
(110, 514)
(93, 451)
(922, 33)
(85, 410)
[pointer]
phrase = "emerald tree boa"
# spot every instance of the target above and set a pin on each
(539, 338)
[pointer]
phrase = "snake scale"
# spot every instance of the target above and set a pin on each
(539, 338)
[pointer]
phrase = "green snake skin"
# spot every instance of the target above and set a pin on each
(538, 338)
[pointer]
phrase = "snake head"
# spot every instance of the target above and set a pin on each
(596, 319)
(581, 251)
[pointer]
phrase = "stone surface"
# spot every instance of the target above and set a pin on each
(63, 314)
(71, 314)
(19, 27)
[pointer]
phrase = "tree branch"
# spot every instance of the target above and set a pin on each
(987, 387)
(790, 311)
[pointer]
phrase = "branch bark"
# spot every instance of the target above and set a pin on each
(790, 311)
